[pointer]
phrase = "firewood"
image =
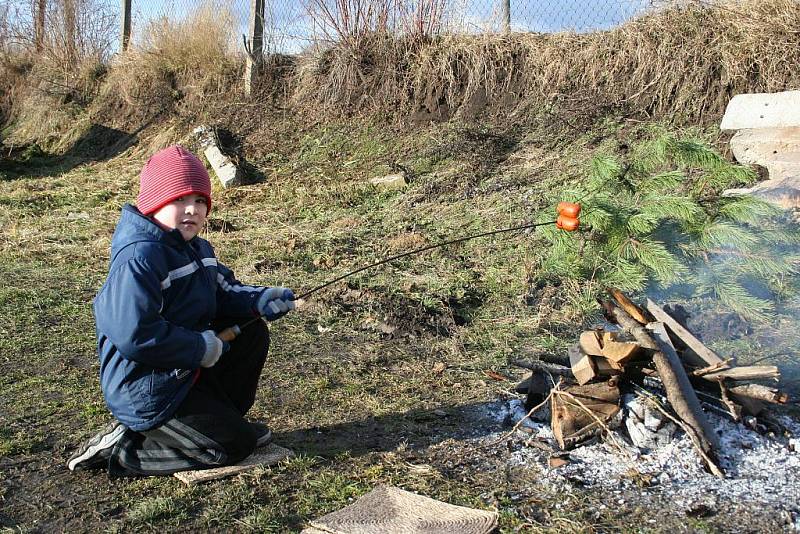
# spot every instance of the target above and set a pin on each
(625, 303)
(581, 412)
(750, 406)
(619, 352)
(583, 368)
(680, 393)
(605, 367)
(589, 342)
(700, 355)
(548, 368)
(759, 392)
(752, 372)
(724, 364)
(734, 409)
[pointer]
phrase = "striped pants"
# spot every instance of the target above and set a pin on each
(209, 428)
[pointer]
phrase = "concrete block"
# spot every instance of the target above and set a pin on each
(766, 146)
(762, 110)
(226, 170)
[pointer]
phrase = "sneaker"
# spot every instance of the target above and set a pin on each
(95, 451)
(263, 433)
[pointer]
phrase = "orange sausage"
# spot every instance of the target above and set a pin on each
(569, 209)
(569, 224)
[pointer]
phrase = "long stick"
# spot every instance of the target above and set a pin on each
(417, 251)
(230, 333)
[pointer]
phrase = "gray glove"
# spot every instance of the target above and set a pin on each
(215, 348)
(275, 302)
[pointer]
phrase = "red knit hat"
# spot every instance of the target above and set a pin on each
(171, 173)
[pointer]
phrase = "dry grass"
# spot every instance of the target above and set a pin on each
(179, 63)
(684, 61)
(14, 69)
(60, 68)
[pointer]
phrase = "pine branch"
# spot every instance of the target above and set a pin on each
(671, 207)
(662, 183)
(747, 209)
(724, 234)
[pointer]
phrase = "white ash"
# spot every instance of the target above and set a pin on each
(761, 470)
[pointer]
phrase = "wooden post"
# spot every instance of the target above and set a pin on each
(41, 6)
(505, 15)
(254, 44)
(125, 36)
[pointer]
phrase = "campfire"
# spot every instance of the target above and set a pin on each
(644, 360)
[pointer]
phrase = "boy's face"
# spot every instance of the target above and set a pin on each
(187, 214)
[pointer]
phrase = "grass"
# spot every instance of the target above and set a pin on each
(360, 406)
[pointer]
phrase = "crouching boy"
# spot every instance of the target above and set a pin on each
(177, 392)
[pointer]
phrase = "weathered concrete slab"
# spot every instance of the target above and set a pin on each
(269, 455)
(762, 110)
(765, 146)
(225, 169)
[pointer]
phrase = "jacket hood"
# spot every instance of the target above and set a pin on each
(133, 227)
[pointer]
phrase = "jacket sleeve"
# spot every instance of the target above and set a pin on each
(235, 299)
(128, 312)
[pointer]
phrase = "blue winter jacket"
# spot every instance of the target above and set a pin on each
(160, 294)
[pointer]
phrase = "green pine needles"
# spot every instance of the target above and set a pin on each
(659, 218)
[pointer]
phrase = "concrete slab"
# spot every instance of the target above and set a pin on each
(266, 456)
(762, 110)
(766, 146)
(225, 169)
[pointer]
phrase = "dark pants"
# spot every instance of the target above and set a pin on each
(208, 429)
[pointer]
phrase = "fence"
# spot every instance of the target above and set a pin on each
(289, 26)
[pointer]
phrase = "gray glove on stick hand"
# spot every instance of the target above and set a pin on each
(215, 348)
(275, 302)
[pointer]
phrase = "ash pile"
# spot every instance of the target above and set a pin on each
(643, 382)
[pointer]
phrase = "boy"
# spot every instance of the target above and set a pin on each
(177, 392)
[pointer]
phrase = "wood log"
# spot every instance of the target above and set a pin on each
(580, 412)
(536, 389)
(752, 397)
(589, 342)
(558, 359)
(619, 352)
(626, 304)
(680, 393)
(535, 365)
(750, 406)
(700, 355)
(583, 367)
(759, 392)
(752, 372)
(605, 367)
(724, 364)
